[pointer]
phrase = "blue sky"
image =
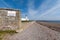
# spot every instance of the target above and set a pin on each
(35, 9)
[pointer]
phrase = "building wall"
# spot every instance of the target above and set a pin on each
(9, 21)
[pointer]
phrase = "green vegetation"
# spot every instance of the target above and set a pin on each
(8, 31)
(3, 33)
(28, 21)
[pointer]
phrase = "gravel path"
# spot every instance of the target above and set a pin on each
(36, 32)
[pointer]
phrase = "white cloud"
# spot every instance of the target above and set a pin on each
(6, 4)
(50, 10)
(31, 10)
(56, 5)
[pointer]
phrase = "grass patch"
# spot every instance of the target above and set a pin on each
(27, 21)
(8, 31)
(3, 33)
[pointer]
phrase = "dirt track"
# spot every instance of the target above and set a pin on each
(36, 31)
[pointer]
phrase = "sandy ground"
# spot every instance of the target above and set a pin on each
(53, 26)
(35, 31)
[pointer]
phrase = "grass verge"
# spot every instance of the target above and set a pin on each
(3, 33)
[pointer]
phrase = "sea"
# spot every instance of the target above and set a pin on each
(49, 21)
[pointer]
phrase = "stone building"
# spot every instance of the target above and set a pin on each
(9, 19)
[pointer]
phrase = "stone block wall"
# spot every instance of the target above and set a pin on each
(9, 19)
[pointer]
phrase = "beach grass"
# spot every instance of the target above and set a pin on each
(3, 33)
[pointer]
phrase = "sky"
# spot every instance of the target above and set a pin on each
(35, 9)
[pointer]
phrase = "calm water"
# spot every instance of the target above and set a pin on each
(50, 21)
